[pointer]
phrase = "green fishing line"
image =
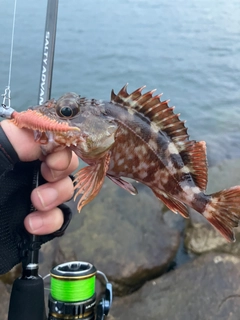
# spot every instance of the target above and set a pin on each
(72, 290)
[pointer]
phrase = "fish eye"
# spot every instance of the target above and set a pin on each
(67, 111)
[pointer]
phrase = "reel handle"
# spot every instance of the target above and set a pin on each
(105, 303)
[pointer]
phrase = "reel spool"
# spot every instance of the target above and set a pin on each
(73, 294)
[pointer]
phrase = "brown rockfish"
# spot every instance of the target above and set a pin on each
(136, 136)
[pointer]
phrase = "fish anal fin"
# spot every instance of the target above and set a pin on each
(194, 157)
(123, 184)
(154, 109)
(89, 180)
(172, 203)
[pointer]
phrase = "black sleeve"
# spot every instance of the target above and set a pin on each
(16, 180)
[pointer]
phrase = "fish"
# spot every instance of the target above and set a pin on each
(136, 136)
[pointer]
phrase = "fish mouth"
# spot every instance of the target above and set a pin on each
(68, 139)
(54, 141)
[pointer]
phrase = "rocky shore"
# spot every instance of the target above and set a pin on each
(161, 265)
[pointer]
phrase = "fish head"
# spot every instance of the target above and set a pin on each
(71, 121)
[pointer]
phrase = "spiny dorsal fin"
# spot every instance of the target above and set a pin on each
(158, 112)
(155, 110)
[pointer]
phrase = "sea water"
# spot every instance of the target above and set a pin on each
(187, 49)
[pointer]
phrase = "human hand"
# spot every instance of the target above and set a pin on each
(55, 169)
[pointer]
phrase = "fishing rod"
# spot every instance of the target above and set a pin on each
(27, 296)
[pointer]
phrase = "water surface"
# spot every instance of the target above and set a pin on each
(189, 50)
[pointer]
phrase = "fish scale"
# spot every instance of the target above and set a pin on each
(136, 136)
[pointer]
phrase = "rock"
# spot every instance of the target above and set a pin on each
(6, 281)
(4, 298)
(200, 236)
(123, 236)
(206, 288)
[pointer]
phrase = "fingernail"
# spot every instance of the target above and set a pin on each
(47, 196)
(35, 222)
(55, 174)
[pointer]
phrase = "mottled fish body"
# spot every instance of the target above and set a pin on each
(136, 136)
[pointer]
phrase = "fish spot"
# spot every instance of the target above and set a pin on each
(130, 156)
(131, 111)
(172, 148)
(140, 149)
(153, 144)
(171, 168)
(196, 190)
(138, 130)
(111, 165)
(154, 127)
(117, 156)
(143, 174)
(143, 166)
(164, 177)
(189, 197)
(185, 169)
(208, 212)
(187, 188)
(120, 162)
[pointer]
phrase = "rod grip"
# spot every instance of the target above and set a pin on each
(27, 300)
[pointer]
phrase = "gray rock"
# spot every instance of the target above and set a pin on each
(204, 289)
(123, 236)
(4, 298)
(6, 281)
(200, 236)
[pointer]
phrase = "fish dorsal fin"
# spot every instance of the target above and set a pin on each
(163, 119)
(158, 112)
(194, 158)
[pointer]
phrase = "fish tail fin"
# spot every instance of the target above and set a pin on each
(223, 211)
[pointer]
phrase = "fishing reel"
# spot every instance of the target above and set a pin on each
(73, 294)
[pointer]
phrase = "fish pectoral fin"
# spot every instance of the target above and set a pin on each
(172, 203)
(123, 184)
(89, 180)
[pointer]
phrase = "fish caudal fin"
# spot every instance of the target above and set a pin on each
(223, 211)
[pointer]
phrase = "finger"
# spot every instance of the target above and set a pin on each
(59, 165)
(52, 194)
(59, 160)
(22, 141)
(44, 222)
